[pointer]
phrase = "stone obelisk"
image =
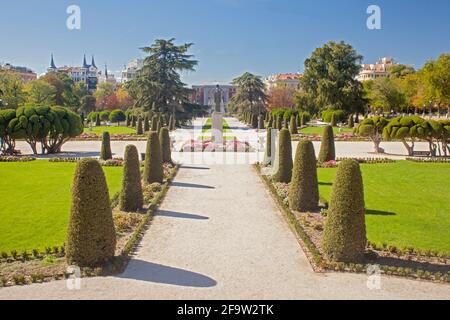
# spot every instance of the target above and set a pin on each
(217, 116)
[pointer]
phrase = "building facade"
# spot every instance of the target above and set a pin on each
(203, 94)
(374, 71)
(131, 69)
(291, 80)
(87, 73)
(107, 77)
(24, 73)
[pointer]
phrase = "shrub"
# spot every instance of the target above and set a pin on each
(351, 122)
(139, 128)
(131, 197)
(164, 140)
(133, 121)
(293, 126)
(128, 120)
(339, 115)
(344, 237)
(333, 122)
(284, 173)
(269, 143)
(327, 149)
(105, 152)
(154, 126)
(97, 120)
(172, 123)
(279, 122)
(146, 124)
(254, 121)
(104, 115)
(91, 238)
(260, 122)
(304, 188)
(153, 168)
(117, 116)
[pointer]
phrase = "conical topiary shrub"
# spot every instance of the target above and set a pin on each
(327, 149)
(131, 198)
(172, 123)
(302, 121)
(133, 121)
(128, 120)
(261, 122)
(286, 123)
(304, 188)
(105, 152)
(344, 237)
(268, 151)
(284, 173)
(293, 126)
(279, 122)
(97, 120)
(154, 126)
(91, 238)
(139, 129)
(158, 126)
(254, 121)
(153, 168)
(333, 120)
(146, 124)
(270, 122)
(351, 123)
(164, 140)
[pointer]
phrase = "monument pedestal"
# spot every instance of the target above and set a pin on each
(217, 127)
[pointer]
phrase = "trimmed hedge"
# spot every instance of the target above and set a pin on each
(327, 115)
(91, 238)
(293, 125)
(146, 124)
(164, 140)
(153, 167)
(105, 152)
(139, 128)
(327, 148)
(131, 197)
(304, 188)
(284, 173)
(344, 237)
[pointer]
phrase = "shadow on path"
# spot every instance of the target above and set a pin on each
(190, 185)
(157, 273)
(195, 168)
(73, 154)
(181, 215)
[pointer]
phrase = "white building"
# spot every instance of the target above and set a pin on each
(130, 70)
(374, 71)
(291, 80)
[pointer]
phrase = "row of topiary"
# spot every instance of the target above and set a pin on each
(150, 122)
(91, 239)
(344, 237)
(49, 126)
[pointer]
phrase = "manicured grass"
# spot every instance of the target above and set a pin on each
(208, 124)
(408, 204)
(35, 203)
(319, 130)
(112, 130)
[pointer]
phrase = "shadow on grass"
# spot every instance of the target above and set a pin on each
(325, 184)
(190, 185)
(181, 215)
(157, 273)
(379, 213)
(66, 155)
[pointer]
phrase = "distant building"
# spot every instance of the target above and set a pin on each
(87, 73)
(131, 69)
(24, 73)
(374, 71)
(291, 80)
(202, 94)
(107, 77)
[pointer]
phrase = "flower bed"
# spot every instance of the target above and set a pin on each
(308, 226)
(338, 137)
(113, 137)
(116, 162)
(210, 146)
(368, 160)
(16, 159)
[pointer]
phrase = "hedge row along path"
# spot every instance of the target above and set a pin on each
(219, 235)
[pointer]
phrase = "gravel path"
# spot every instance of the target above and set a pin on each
(218, 235)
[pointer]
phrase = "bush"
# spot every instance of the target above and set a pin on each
(164, 140)
(133, 121)
(344, 237)
(172, 123)
(327, 149)
(139, 128)
(279, 122)
(105, 152)
(269, 143)
(293, 126)
(146, 123)
(117, 116)
(254, 121)
(97, 120)
(131, 197)
(333, 122)
(304, 188)
(91, 238)
(154, 126)
(284, 173)
(261, 122)
(153, 168)
(351, 122)
(327, 115)
(304, 118)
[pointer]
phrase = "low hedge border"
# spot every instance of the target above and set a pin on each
(368, 160)
(16, 159)
(429, 160)
(116, 162)
(320, 264)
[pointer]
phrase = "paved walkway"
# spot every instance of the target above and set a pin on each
(218, 235)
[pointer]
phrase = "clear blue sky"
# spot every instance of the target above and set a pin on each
(230, 36)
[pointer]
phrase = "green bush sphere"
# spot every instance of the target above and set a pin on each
(105, 152)
(91, 238)
(117, 116)
(153, 167)
(327, 148)
(304, 187)
(131, 197)
(164, 140)
(284, 173)
(344, 237)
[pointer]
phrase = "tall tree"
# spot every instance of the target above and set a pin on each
(250, 93)
(40, 92)
(63, 84)
(330, 75)
(281, 97)
(11, 90)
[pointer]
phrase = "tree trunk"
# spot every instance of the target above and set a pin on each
(409, 148)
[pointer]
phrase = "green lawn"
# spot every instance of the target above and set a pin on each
(35, 203)
(112, 130)
(408, 204)
(319, 130)
(208, 124)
